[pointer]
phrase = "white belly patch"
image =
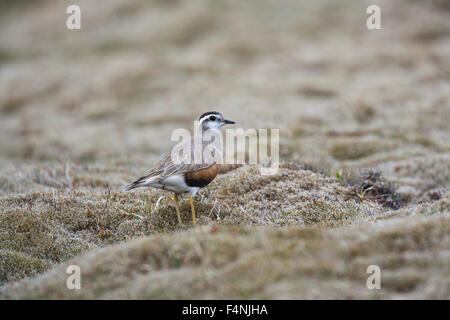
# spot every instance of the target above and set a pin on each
(173, 183)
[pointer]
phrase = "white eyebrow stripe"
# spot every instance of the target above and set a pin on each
(207, 116)
(203, 119)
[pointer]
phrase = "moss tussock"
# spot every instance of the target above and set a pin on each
(239, 262)
(54, 225)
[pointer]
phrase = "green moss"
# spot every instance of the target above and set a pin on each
(15, 265)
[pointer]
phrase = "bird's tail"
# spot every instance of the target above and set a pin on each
(134, 185)
(145, 181)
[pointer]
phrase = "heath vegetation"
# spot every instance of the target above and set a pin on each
(364, 119)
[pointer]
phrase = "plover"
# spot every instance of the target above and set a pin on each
(186, 169)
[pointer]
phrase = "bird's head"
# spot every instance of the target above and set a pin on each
(213, 120)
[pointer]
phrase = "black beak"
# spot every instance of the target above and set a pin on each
(228, 121)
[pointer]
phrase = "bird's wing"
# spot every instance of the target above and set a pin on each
(184, 158)
(182, 164)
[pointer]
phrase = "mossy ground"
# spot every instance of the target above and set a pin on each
(262, 262)
(83, 113)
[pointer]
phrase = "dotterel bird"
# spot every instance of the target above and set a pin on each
(185, 174)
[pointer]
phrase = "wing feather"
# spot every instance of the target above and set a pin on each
(166, 167)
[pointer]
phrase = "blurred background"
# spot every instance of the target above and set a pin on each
(86, 111)
(116, 89)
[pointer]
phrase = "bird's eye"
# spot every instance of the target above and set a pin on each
(212, 118)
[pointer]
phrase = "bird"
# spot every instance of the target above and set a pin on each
(184, 170)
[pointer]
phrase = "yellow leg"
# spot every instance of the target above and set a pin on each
(175, 198)
(194, 221)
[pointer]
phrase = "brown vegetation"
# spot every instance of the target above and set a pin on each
(364, 119)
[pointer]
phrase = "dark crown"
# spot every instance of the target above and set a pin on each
(208, 113)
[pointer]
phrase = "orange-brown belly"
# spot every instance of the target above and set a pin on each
(203, 177)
